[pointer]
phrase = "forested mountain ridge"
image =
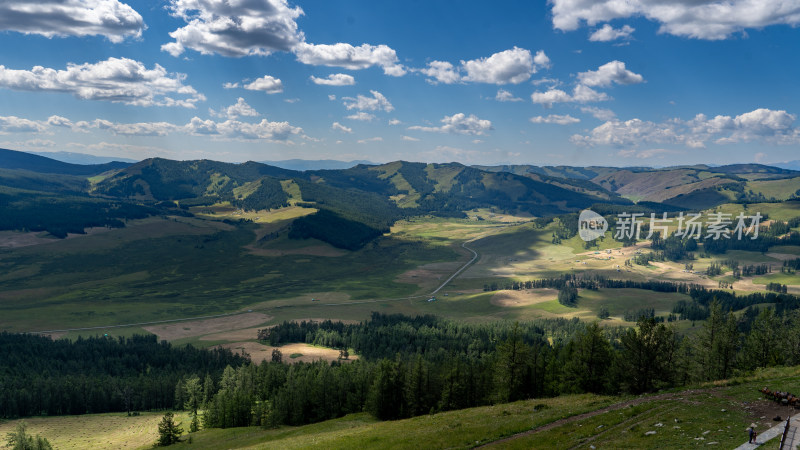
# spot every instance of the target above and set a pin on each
(11, 159)
(695, 186)
(424, 187)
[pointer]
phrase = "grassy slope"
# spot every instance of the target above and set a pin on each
(113, 430)
(779, 189)
(93, 280)
(716, 413)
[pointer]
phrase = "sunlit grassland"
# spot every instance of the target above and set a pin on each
(225, 210)
(778, 211)
(782, 278)
(779, 189)
(112, 430)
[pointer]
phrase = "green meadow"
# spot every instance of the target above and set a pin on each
(166, 268)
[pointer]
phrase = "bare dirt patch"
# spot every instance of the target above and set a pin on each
(429, 274)
(179, 330)
(782, 256)
(14, 239)
(260, 352)
(312, 250)
(523, 298)
(310, 298)
(233, 336)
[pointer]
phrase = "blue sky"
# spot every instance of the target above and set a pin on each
(577, 82)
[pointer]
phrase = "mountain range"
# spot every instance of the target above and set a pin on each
(366, 199)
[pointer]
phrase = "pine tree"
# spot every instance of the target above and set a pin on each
(590, 360)
(512, 357)
(168, 431)
(193, 392)
(647, 358)
(761, 346)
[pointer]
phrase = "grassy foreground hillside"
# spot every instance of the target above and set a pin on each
(712, 413)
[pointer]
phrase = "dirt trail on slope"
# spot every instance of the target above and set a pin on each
(586, 415)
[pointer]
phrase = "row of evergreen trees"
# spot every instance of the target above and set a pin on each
(39, 376)
(407, 366)
(523, 364)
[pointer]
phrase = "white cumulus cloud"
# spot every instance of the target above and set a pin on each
(598, 113)
(555, 119)
(363, 103)
(119, 80)
(14, 124)
(441, 72)
(608, 73)
(700, 19)
(608, 33)
(240, 108)
(234, 28)
(110, 18)
(505, 96)
(459, 123)
(762, 125)
(335, 79)
(580, 94)
(234, 129)
(510, 66)
(350, 57)
(362, 116)
(267, 83)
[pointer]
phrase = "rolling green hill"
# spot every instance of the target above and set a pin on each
(375, 196)
(698, 186)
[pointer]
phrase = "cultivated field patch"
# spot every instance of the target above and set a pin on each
(302, 352)
(180, 330)
(98, 431)
(523, 298)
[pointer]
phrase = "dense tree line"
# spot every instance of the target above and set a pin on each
(39, 376)
(268, 195)
(368, 208)
(384, 336)
(568, 295)
(699, 307)
(499, 363)
(595, 282)
(334, 229)
(793, 264)
(408, 366)
(66, 214)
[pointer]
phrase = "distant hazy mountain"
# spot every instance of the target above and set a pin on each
(11, 159)
(82, 158)
(322, 164)
(791, 165)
